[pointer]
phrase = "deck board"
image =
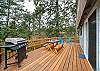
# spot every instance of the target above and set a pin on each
(74, 59)
(60, 61)
(48, 65)
(36, 62)
(64, 60)
(79, 66)
(67, 59)
(84, 62)
(70, 64)
(50, 61)
(57, 60)
(41, 63)
(65, 68)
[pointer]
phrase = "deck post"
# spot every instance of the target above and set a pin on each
(5, 59)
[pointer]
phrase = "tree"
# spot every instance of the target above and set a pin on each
(49, 16)
(14, 13)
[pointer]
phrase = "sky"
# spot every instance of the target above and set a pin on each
(29, 5)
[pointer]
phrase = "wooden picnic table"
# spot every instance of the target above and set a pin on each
(53, 41)
(51, 44)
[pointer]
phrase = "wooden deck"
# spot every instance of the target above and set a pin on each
(40, 59)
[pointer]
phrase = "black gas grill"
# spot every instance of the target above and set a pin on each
(17, 45)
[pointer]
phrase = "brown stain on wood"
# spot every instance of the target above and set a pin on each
(41, 59)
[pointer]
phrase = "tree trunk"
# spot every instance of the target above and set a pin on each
(8, 1)
(57, 15)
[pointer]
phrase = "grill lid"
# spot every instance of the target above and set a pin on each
(14, 40)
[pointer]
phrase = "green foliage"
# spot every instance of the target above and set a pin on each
(49, 18)
(16, 15)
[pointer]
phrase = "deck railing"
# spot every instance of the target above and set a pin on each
(33, 44)
(36, 43)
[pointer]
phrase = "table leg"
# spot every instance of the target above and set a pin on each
(5, 59)
(18, 55)
(57, 43)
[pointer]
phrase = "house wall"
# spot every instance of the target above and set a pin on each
(98, 38)
(85, 44)
(84, 38)
(81, 36)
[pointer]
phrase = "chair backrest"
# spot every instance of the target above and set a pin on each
(60, 40)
